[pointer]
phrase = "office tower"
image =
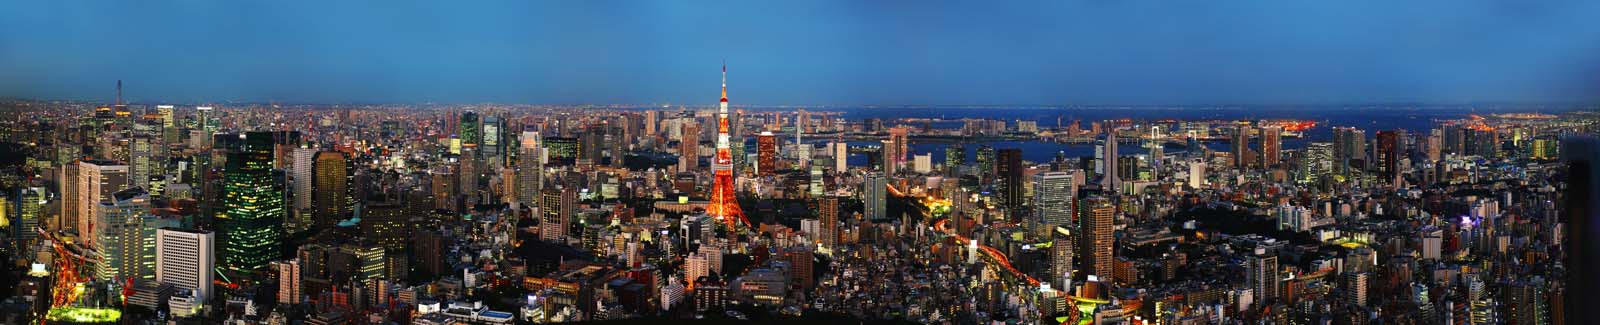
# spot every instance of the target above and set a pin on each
(185, 260)
(1095, 216)
(1197, 173)
(1108, 160)
(828, 217)
(766, 154)
(900, 137)
(385, 224)
(1053, 193)
(873, 193)
(29, 215)
(651, 119)
(841, 156)
(250, 222)
(333, 199)
(1271, 146)
(491, 148)
(367, 260)
(530, 169)
(1061, 249)
(922, 164)
(169, 127)
(69, 185)
(1435, 145)
(1008, 171)
(985, 162)
(954, 157)
(125, 237)
(1387, 156)
(469, 129)
(689, 148)
(555, 209)
(1349, 147)
(302, 170)
(890, 158)
(97, 180)
(1319, 161)
(1243, 158)
(288, 281)
(1263, 276)
(142, 162)
(816, 187)
(202, 117)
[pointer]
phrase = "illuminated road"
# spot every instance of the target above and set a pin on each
(990, 254)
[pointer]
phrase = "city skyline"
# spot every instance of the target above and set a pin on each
(822, 53)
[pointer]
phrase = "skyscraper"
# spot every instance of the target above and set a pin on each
(1388, 156)
(1053, 193)
(1271, 146)
(985, 161)
(185, 259)
(1061, 250)
(766, 153)
(841, 156)
(954, 156)
(900, 137)
(1243, 158)
(1349, 147)
(890, 158)
(97, 180)
(333, 198)
(555, 209)
(1108, 161)
(828, 217)
(1008, 169)
(125, 237)
(872, 196)
(1095, 216)
(251, 220)
(469, 129)
(689, 148)
(303, 172)
(1263, 276)
(530, 169)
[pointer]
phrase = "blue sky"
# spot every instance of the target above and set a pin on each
(1062, 52)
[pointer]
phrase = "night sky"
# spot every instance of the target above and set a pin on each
(1062, 52)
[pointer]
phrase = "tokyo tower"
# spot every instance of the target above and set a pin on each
(724, 205)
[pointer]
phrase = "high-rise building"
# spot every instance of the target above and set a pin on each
(766, 153)
(250, 222)
(900, 136)
(70, 185)
(469, 129)
(1061, 250)
(828, 217)
(1053, 193)
(530, 169)
(985, 162)
(302, 170)
(954, 156)
(1197, 173)
(890, 158)
(1271, 146)
(1349, 147)
(1108, 161)
(841, 156)
(873, 199)
(1387, 156)
(555, 209)
(288, 281)
(1243, 157)
(1319, 161)
(185, 260)
(1263, 276)
(29, 215)
(1008, 170)
(1095, 216)
(334, 198)
(689, 147)
(97, 180)
(125, 237)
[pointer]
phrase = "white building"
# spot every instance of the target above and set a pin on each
(185, 259)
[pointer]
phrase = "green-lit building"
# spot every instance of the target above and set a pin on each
(250, 221)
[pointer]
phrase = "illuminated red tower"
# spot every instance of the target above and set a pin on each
(724, 205)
